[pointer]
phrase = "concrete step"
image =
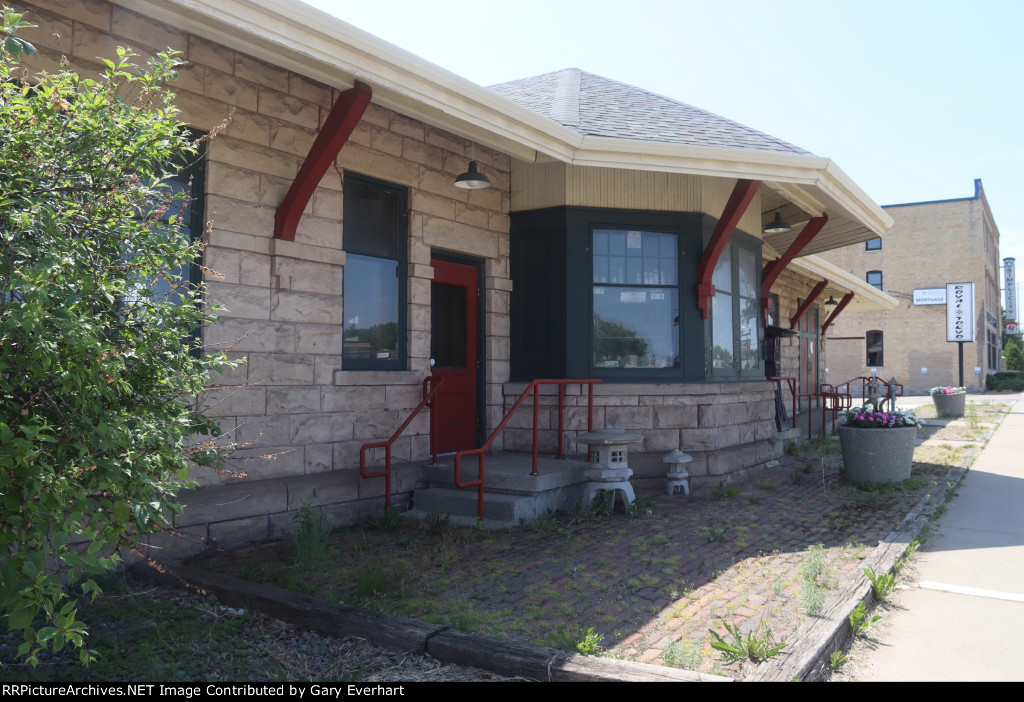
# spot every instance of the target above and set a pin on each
(505, 509)
(511, 495)
(509, 473)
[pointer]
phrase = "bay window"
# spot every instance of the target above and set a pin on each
(612, 294)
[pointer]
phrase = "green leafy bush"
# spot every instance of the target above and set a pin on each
(99, 372)
(1010, 380)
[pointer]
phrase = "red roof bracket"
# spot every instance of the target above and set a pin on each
(835, 313)
(773, 269)
(811, 299)
(742, 194)
(345, 115)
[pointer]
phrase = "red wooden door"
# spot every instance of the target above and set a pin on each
(453, 352)
(807, 374)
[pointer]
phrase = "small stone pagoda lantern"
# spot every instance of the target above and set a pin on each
(677, 477)
(612, 471)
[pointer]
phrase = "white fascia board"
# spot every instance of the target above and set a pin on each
(699, 160)
(869, 297)
(848, 196)
(312, 43)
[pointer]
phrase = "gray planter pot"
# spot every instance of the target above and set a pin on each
(877, 456)
(950, 405)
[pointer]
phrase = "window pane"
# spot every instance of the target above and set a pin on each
(874, 279)
(636, 327)
(773, 309)
(371, 308)
(634, 258)
(748, 273)
(721, 331)
(448, 325)
(722, 277)
(636, 323)
(874, 348)
(873, 245)
(171, 199)
(372, 218)
(374, 288)
(748, 334)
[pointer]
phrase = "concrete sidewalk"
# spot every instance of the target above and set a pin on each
(963, 617)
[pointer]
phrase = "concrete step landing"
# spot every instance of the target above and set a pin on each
(511, 495)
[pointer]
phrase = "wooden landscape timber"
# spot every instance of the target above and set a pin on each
(510, 658)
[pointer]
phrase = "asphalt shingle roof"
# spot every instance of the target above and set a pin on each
(595, 106)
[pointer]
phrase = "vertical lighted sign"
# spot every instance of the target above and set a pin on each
(960, 312)
(1010, 286)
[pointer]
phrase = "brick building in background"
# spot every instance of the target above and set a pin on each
(930, 244)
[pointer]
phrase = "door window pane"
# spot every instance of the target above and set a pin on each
(448, 325)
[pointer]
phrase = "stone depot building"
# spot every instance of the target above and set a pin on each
(622, 239)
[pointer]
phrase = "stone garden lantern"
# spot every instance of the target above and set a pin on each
(677, 477)
(612, 471)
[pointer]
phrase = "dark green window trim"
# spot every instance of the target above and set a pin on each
(735, 312)
(552, 302)
(375, 231)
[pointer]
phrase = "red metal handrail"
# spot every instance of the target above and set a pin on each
(833, 400)
(893, 389)
(430, 387)
(534, 386)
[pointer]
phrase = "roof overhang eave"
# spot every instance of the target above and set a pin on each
(305, 40)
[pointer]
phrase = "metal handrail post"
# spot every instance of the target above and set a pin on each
(561, 416)
(536, 418)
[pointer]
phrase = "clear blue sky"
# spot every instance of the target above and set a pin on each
(913, 99)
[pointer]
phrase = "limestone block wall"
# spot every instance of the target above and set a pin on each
(728, 427)
(294, 409)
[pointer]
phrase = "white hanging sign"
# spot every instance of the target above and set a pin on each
(960, 312)
(1010, 286)
(930, 296)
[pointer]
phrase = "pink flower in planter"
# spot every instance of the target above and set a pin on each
(871, 419)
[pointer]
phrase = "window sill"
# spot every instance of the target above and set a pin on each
(377, 377)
